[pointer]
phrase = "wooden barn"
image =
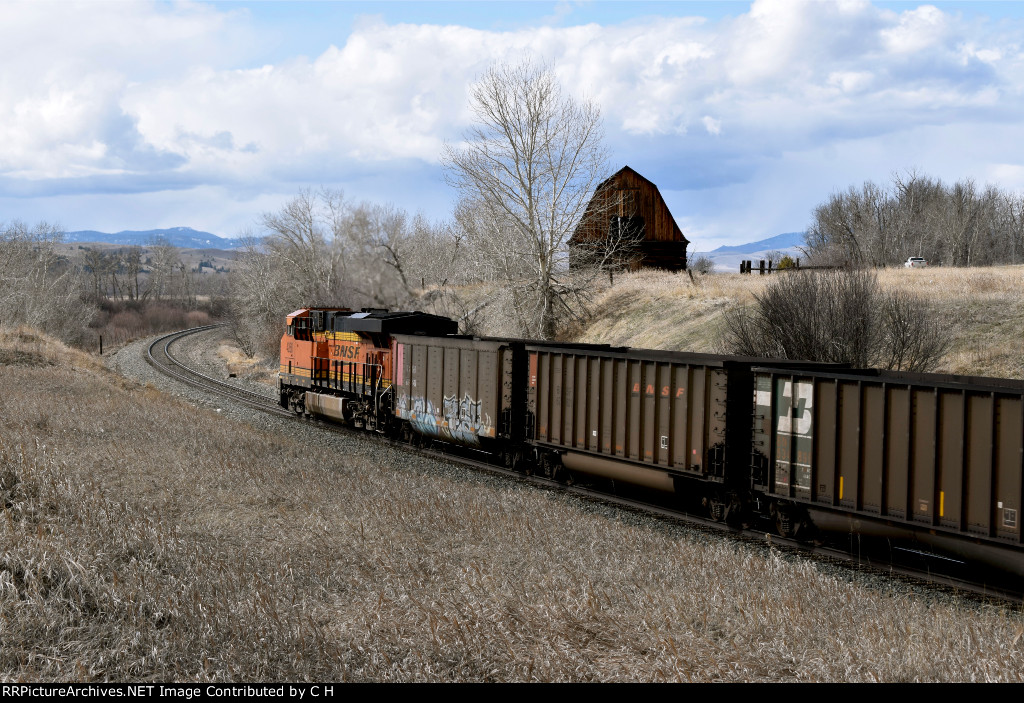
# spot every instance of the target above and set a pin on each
(628, 214)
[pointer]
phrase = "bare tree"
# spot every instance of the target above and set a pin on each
(164, 264)
(38, 287)
(320, 249)
(526, 171)
(98, 265)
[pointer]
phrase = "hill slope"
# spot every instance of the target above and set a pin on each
(983, 309)
(148, 539)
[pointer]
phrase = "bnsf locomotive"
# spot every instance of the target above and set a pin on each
(918, 459)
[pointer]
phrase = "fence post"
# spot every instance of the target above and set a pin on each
(762, 267)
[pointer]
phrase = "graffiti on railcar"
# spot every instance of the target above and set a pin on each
(461, 421)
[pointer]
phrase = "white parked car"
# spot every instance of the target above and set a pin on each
(915, 262)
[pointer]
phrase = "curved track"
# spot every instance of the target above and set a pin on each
(159, 355)
(936, 571)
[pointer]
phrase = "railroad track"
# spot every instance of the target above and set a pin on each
(159, 355)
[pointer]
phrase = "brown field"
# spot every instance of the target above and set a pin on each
(145, 539)
(982, 308)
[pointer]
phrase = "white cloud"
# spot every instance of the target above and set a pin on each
(851, 81)
(66, 66)
(122, 90)
(917, 30)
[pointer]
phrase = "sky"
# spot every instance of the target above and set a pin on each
(141, 115)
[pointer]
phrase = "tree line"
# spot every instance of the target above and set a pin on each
(958, 224)
(118, 292)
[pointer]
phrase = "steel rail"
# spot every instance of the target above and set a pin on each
(163, 360)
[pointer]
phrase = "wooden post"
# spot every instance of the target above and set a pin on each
(762, 267)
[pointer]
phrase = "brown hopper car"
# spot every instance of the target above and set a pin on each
(937, 458)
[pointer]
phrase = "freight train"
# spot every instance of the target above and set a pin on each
(932, 462)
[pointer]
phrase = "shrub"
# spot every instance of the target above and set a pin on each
(838, 316)
(702, 265)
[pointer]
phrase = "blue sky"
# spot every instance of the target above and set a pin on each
(132, 115)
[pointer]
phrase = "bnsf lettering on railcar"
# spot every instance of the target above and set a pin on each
(649, 390)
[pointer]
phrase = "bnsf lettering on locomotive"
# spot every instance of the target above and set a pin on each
(346, 351)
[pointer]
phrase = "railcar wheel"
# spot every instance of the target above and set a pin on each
(716, 509)
(408, 436)
(513, 459)
(783, 523)
(548, 468)
(792, 521)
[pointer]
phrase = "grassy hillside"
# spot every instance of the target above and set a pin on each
(982, 308)
(144, 539)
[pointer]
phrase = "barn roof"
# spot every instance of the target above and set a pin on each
(660, 201)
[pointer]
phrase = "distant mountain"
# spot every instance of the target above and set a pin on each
(728, 258)
(183, 237)
(781, 242)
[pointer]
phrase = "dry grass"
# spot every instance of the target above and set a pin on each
(145, 540)
(247, 367)
(24, 346)
(983, 309)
